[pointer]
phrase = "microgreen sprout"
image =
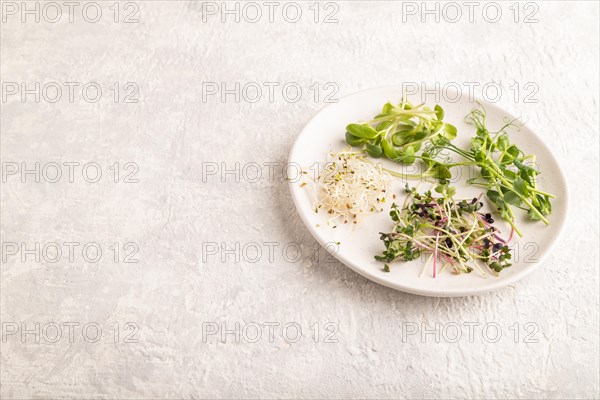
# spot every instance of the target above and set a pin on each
(508, 180)
(400, 131)
(451, 230)
(349, 187)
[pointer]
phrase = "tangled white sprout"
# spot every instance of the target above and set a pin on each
(349, 186)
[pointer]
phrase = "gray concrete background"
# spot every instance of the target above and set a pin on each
(175, 211)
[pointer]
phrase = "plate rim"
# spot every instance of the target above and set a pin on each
(446, 292)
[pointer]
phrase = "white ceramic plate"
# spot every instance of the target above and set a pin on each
(359, 243)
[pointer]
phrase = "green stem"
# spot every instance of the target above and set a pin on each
(424, 114)
(542, 192)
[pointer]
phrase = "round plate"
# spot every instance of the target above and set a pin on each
(359, 243)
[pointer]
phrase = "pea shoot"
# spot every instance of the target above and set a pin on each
(508, 180)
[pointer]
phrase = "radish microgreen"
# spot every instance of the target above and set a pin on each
(447, 229)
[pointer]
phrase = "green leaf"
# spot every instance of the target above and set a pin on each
(441, 172)
(427, 158)
(404, 127)
(509, 174)
(448, 191)
(353, 140)
(502, 142)
(407, 156)
(439, 112)
(449, 131)
(383, 125)
(476, 144)
(545, 207)
(524, 168)
(403, 135)
(496, 266)
(401, 138)
(387, 108)
(521, 187)
(388, 150)
(374, 150)
(485, 172)
(421, 134)
(533, 215)
(511, 198)
(512, 152)
(363, 131)
(493, 196)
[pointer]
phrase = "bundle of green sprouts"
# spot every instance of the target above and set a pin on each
(451, 231)
(400, 131)
(349, 187)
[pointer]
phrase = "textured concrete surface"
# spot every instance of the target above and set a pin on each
(184, 217)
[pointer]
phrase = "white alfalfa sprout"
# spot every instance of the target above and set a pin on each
(349, 187)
